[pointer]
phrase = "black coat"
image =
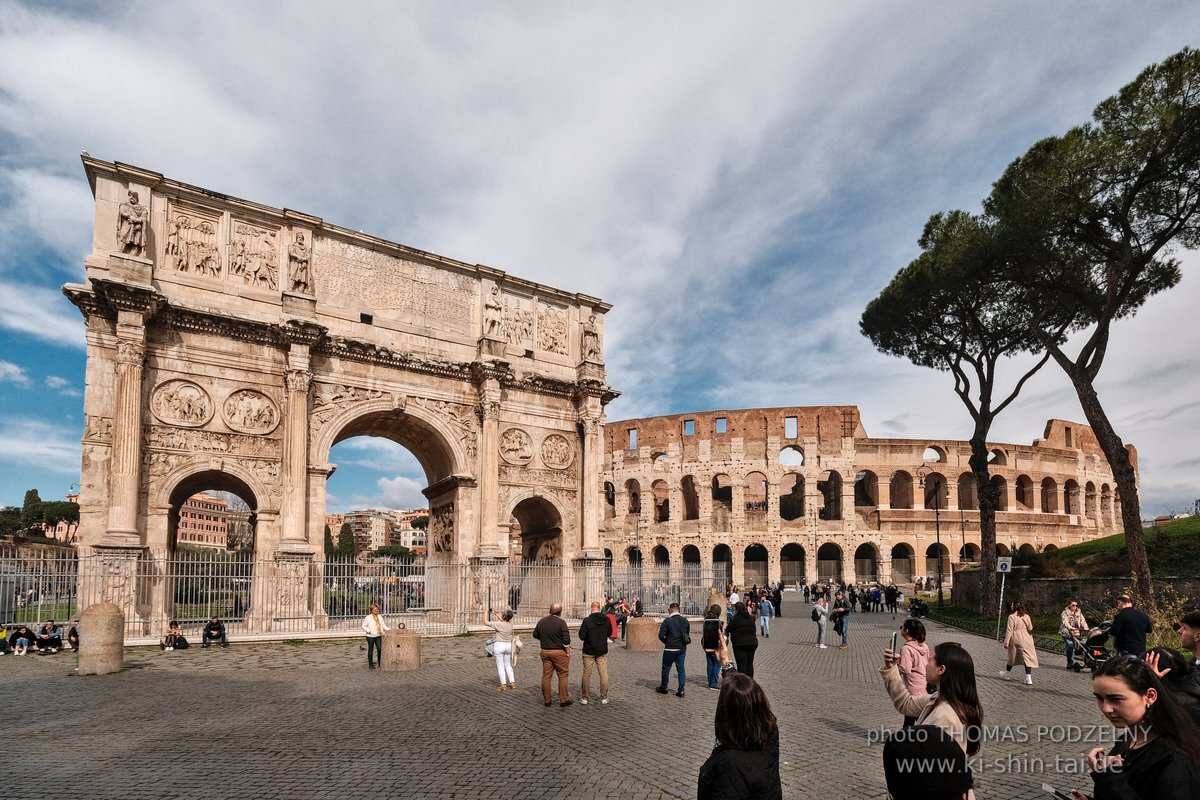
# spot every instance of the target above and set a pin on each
(1153, 772)
(730, 774)
(1129, 629)
(593, 632)
(741, 631)
(710, 639)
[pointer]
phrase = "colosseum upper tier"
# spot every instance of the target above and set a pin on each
(803, 492)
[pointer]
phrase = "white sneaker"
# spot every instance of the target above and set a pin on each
(1029, 680)
(1005, 675)
(168, 649)
(583, 701)
(823, 646)
(603, 701)
(53, 649)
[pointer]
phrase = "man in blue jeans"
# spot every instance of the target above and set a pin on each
(841, 619)
(674, 633)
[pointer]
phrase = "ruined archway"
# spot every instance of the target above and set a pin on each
(538, 526)
(791, 563)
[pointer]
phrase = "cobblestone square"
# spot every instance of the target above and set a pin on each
(310, 721)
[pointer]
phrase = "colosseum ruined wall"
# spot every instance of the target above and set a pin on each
(804, 492)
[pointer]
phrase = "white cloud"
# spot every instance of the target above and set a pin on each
(62, 386)
(26, 443)
(40, 312)
(400, 492)
(13, 373)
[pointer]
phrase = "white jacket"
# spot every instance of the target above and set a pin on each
(370, 628)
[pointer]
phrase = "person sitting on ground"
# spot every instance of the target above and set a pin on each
(745, 762)
(49, 638)
(73, 636)
(23, 638)
(953, 706)
(214, 631)
(174, 639)
(907, 756)
(4, 647)
(1158, 756)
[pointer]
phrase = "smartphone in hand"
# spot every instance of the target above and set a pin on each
(895, 655)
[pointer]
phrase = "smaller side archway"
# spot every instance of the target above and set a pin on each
(967, 499)
(866, 563)
(755, 565)
(901, 489)
(791, 563)
(829, 562)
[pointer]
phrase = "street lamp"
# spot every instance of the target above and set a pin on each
(922, 471)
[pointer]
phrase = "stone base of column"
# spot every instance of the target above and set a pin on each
(641, 635)
(400, 651)
(110, 575)
(492, 348)
(592, 569)
(289, 606)
(489, 587)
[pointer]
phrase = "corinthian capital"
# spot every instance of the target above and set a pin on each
(489, 409)
(130, 352)
(298, 380)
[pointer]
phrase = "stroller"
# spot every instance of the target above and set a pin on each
(1092, 651)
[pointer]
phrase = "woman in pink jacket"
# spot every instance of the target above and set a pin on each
(914, 655)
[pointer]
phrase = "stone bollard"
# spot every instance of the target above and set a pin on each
(401, 650)
(101, 640)
(641, 634)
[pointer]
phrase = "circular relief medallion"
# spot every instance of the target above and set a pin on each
(250, 411)
(556, 451)
(516, 447)
(181, 402)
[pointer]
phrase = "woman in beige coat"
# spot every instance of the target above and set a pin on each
(1018, 641)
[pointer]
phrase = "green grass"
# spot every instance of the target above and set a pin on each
(1173, 550)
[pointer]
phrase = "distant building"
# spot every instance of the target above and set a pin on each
(334, 523)
(63, 531)
(372, 528)
(204, 521)
(406, 535)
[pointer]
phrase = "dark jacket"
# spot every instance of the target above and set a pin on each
(730, 774)
(1153, 772)
(710, 639)
(672, 632)
(593, 632)
(214, 630)
(1129, 629)
(553, 633)
(741, 631)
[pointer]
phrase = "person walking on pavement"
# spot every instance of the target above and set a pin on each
(766, 610)
(712, 639)
(841, 619)
(1018, 641)
(555, 638)
(1072, 626)
(593, 632)
(820, 615)
(1129, 628)
(743, 639)
(675, 635)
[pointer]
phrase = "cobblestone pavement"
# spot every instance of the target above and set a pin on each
(310, 721)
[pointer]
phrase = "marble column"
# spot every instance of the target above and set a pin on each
(125, 467)
(593, 452)
(294, 508)
(492, 543)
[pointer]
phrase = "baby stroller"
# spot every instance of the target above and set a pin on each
(1093, 650)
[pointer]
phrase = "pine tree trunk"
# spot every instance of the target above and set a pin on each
(989, 496)
(1126, 483)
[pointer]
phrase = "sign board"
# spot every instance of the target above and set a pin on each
(1004, 564)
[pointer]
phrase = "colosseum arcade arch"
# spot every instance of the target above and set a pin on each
(231, 337)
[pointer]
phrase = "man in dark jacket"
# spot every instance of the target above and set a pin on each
(841, 619)
(674, 633)
(555, 639)
(214, 631)
(593, 632)
(1129, 628)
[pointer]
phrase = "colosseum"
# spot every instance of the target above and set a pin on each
(788, 493)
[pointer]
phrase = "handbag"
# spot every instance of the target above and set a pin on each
(489, 647)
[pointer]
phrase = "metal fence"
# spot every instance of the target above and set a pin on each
(274, 599)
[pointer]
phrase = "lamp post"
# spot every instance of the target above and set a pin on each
(922, 471)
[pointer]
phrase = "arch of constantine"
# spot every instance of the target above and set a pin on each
(231, 345)
(804, 493)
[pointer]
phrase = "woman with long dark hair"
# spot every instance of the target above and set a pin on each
(710, 640)
(953, 706)
(1158, 755)
(745, 763)
(914, 657)
(743, 639)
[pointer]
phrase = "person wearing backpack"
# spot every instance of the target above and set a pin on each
(820, 615)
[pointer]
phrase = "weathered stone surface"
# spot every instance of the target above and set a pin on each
(641, 634)
(401, 650)
(101, 640)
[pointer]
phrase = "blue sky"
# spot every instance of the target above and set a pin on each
(739, 180)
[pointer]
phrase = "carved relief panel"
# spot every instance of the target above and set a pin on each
(441, 528)
(191, 241)
(518, 322)
(516, 447)
(254, 256)
(557, 452)
(250, 411)
(552, 328)
(181, 402)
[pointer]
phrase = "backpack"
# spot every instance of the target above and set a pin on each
(815, 616)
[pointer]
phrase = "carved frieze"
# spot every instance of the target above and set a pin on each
(568, 502)
(160, 437)
(98, 430)
(552, 329)
(192, 241)
(527, 476)
(441, 528)
(331, 399)
(458, 417)
(351, 276)
(516, 447)
(181, 402)
(250, 411)
(518, 322)
(557, 452)
(254, 255)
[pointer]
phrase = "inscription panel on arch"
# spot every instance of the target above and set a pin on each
(350, 276)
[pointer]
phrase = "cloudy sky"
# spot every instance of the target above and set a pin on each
(738, 179)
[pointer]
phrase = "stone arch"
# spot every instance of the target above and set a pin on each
(1049, 495)
(755, 496)
(1071, 497)
(1001, 486)
(830, 487)
(791, 496)
(902, 562)
(722, 559)
(691, 497)
(1027, 549)
(997, 458)
(901, 489)
(935, 453)
(662, 500)
(1025, 498)
(610, 500)
(1089, 500)
(969, 553)
(633, 491)
(539, 519)
(936, 491)
(435, 441)
(936, 554)
(866, 563)
(866, 489)
(829, 562)
(1050, 548)
(755, 565)
(791, 563)
(967, 501)
(791, 456)
(633, 555)
(692, 570)
(691, 554)
(1002, 549)
(661, 556)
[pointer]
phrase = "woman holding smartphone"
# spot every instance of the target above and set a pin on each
(953, 706)
(914, 655)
